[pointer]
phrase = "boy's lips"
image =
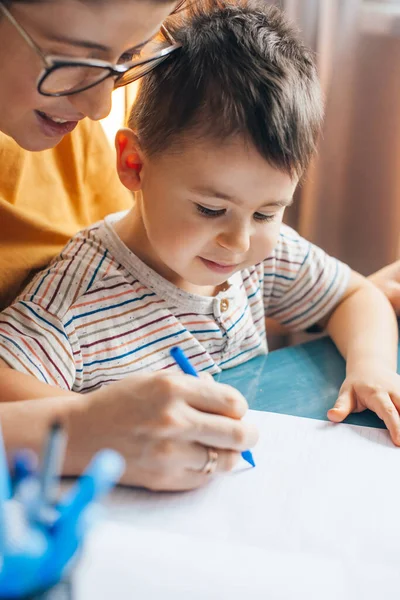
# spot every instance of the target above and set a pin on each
(218, 267)
(53, 126)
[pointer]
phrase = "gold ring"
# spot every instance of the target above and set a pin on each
(211, 464)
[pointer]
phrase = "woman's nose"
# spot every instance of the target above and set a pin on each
(94, 103)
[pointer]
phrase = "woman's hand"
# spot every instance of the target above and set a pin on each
(163, 425)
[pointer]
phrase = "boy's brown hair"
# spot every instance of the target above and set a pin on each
(242, 70)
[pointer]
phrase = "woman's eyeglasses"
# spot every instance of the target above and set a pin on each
(66, 76)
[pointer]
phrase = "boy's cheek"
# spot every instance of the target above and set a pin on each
(267, 244)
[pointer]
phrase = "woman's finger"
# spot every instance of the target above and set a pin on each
(198, 456)
(220, 432)
(176, 456)
(174, 465)
(207, 395)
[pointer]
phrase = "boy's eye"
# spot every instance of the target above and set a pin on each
(263, 218)
(209, 212)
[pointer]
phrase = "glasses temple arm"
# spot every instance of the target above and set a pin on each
(23, 33)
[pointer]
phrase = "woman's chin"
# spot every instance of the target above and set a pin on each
(36, 143)
(29, 138)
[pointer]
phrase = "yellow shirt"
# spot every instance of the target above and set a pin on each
(46, 197)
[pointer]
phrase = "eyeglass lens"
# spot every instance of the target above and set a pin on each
(75, 78)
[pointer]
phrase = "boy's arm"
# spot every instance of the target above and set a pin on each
(364, 329)
(363, 325)
(14, 386)
(388, 281)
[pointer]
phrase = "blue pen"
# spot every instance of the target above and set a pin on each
(183, 362)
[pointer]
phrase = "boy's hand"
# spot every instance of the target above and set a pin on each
(373, 386)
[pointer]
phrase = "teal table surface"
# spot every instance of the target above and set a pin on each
(301, 380)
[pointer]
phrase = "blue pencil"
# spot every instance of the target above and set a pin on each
(183, 362)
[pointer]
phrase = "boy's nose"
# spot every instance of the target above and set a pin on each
(94, 103)
(236, 240)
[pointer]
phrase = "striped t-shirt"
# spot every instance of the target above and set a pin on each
(98, 313)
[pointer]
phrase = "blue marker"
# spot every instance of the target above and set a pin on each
(183, 362)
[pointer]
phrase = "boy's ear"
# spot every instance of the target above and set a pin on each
(129, 159)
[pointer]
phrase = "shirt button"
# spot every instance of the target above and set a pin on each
(224, 304)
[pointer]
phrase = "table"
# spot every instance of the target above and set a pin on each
(301, 380)
(174, 546)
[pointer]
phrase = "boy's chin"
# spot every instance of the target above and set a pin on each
(209, 281)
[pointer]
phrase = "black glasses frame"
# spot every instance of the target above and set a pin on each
(52, 63)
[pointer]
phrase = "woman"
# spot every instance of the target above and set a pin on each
(53, 184)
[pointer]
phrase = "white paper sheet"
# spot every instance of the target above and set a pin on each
(318, 518)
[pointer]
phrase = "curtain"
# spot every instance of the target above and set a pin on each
(348, 202)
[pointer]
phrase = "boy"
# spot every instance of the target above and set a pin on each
(220, 135)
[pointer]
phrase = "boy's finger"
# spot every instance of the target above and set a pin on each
(344, 405)
(382, 404)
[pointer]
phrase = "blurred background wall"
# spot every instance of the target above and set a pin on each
(350, 201)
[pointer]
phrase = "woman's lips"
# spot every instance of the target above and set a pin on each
(51, 128)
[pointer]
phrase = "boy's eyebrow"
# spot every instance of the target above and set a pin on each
(212, 193)
(280, 203)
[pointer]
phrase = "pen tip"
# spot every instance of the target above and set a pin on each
(248, 457)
